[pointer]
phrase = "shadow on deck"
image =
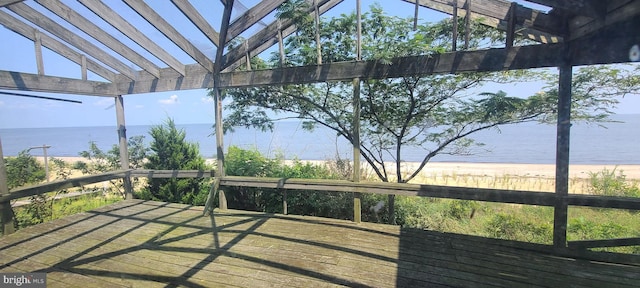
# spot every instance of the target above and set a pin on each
(154, 244)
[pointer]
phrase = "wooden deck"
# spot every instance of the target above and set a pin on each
(153, 244)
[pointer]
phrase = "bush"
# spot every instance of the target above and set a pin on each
(512, 227)
(608, 183)
(23, 169)
(170, 151)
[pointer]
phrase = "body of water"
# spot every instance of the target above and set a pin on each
(618, 143)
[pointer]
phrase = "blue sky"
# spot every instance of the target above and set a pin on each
(185, 107)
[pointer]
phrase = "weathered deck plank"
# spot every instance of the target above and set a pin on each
(152, 244)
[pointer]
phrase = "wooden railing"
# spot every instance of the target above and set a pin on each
(419, 190)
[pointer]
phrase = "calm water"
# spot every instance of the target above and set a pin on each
(522, 143)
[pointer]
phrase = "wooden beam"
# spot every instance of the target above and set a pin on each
(624, 13)
(62, 184)
(467, 23)
(33, 82)
(38, 45)
(511, 25)
(562, 156)
(170, 32)
(66, 35)
(99, 34)
(8, 2)
(462, 193)
(584, 244)
(154, 174)
(590, 51)
(6, 213)
(269, 35)
(217, 90)
(196, 18)
(122, 141)
(357, 203)
(126, 28)
(252, 16)
(454, 18)
(540, 26)
(54, 45)
(589, 8)
(83, 67)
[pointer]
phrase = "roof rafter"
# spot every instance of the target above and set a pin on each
(170, 32)
(115, 20)
(252, 16)
(8, 2)
(269, 34)
(589, 8)
(618, 13)
(33, 82)
(56, 46)
(539, 26)
(97, 33)
(57, 30)
(196, 18)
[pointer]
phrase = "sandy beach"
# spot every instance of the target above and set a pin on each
(514, 176)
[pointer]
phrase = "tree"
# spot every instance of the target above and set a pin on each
(436, 112)
(23, 169)
(171, 151)
(100, 161)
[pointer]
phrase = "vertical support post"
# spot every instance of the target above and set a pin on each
(285, 206)
(317, 22)
(124, 150)
(83, 61)
(38, 45)
(562, 157)
(247, 55)
(511, 25)
(217, 67)
(467, 24)
(280, 44)
(415, 15)
(46, 160)
(6, 212)
(454, 42)
(359, 32)
(357, 203)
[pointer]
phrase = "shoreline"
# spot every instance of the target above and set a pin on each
(547, 171)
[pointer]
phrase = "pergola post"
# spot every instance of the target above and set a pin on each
(6, 213)
(124, 150)
(562, 157)
(226, 17)
(357, 204)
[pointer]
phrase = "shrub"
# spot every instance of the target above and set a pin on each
(170, 151)
(609, 183)
(23, 169)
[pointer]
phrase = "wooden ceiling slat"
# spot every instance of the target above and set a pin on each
(114, 19)
(252, 16)
(270, 33)
(624, 12)
(589, 8)
(495, 13)
(196, 18)
(97, 33)
(33, 82)
(170, 32)
(8, 2)
(64, 34)
(54, 45)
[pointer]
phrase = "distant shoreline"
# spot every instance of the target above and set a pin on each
(580, 171)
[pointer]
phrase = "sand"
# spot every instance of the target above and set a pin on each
(531, 177)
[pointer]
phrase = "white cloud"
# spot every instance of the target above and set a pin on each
(206, 99)
(173, 99)
(104, 102)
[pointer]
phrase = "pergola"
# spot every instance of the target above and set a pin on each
(572, 33)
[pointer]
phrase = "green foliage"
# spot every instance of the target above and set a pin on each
(170, 151)
(435, 113)
(23, 169)
(512, 227)
(241, 162)
(100, 161)
(608, 183)
(586, 229)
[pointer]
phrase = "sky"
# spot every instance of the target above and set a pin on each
(185, 107)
